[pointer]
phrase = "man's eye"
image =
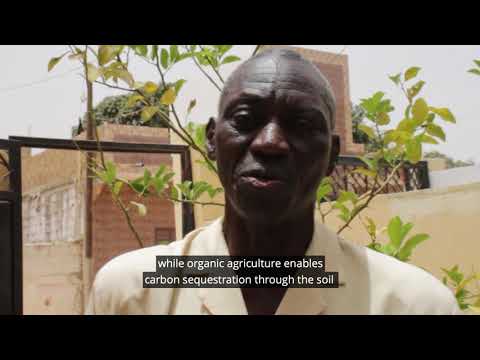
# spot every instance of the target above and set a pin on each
(305, 124)
(243, 120)
(242, 117)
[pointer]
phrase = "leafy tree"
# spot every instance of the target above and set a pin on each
(124, 109)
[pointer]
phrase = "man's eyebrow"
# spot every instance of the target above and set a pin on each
(245, 97)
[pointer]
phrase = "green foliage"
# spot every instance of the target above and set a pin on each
(215, 55)
(467, 300)
(129, 109)
(475, 70)
(193, 190)
(405, 141)
(396, 246)
(325, 188)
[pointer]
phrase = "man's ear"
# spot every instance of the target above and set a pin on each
(335, 151)
(210, 143)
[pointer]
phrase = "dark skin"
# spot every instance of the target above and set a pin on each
(273, 142)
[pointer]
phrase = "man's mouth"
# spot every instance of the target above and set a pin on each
(262, 180)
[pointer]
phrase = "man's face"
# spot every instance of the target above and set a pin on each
(272, 140)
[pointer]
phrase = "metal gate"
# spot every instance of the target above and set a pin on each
(11, 281)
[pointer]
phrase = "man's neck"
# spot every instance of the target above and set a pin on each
(290, 237)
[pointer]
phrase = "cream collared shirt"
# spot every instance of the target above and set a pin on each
(373, 283)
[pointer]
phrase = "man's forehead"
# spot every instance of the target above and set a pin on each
(291, 82)
(281, 71)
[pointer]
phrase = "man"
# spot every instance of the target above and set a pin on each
(273, 142)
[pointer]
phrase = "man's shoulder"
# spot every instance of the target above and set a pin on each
(399, 285)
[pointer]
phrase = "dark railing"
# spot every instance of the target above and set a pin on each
(407, 178)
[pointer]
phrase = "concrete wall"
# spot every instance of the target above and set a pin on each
(455, 176)
(449, 215)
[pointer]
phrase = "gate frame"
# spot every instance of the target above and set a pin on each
(14, 145)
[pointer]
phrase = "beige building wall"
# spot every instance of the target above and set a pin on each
(52, 277)
(450, 216)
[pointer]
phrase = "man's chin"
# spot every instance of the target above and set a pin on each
(264, 210)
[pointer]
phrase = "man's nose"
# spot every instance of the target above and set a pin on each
(270, 141)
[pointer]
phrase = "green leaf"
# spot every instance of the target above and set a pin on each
(161, 169)
(474, 71)
(383, 118)
(191, 105)
(477, 62)
(174, 193)
(415, 89)
(394, 230)
(147, 177)
(111, 172)
(173, 53)
(371, 163)
(436, 131)
(324, 189)
(141, 50)
(405, 230)
(133, 99)
(345, 212)
(117, 187)
(142, 209)
(375, 246)
(419, 111)
(411, 72)
(159, 185)
(388, 249)
(148, 112)
(347, 196)
(414, 150)
(428, 139)
(150, 87)
(444, 113)
(214, 191)
(168, 97)
(178, 85)
(229, 59)
(164, 58)
(154, 52)
(137, 185)
(167, 177)
(200, 135)
(106, 53)
(198, 189)
(395, 78)
(93, 73)
(371, 227)
(126, 77)
(367, 130)
(54, 61)
(406, 125)
(371, 104)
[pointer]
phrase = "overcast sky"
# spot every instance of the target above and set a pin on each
(36, 103)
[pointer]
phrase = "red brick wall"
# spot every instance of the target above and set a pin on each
(335, 74)
(111, 234)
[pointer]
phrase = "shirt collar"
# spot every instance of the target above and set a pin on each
(296, 301)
